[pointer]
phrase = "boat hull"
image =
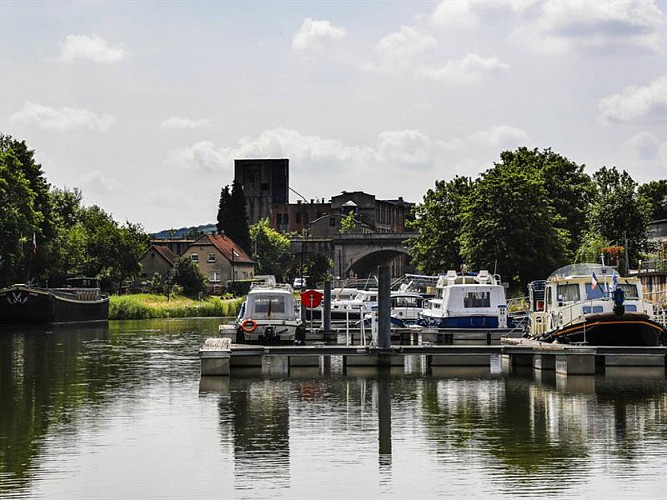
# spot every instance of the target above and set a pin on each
(25, 305)
(459, 322)
(612, 330)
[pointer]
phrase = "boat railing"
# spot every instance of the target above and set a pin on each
(78, 293)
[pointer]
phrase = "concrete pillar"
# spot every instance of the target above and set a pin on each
(575, 364)
(384, 308)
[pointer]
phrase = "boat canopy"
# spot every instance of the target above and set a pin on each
(582, 269)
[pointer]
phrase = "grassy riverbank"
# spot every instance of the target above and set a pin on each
(146, 306)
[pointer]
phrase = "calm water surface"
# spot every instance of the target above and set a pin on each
(121, 411)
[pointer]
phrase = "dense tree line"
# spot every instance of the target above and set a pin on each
(49, 235)
(533, 212)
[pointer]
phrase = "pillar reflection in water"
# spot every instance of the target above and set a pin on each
(384, 418)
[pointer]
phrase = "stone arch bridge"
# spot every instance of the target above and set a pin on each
(359, 254)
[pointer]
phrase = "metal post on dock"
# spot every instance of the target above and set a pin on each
(384, 308)
(326, 307)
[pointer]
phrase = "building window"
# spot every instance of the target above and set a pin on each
(194, 257)
(298, 217)
(332, 221)
(214, 277)
(210, 258)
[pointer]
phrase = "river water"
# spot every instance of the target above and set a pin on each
(120, 411)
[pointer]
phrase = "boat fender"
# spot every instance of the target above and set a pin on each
(249, 325)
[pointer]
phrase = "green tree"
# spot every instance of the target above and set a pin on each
(655, 192)
(438, 221)
(619, 215)
(509, 225)
(568, 188)
(348, 223)
(187, 274)
(272, 250)
(18, 220)
(233, 216)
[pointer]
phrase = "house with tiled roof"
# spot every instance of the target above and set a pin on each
(157, 259)
(221, 260)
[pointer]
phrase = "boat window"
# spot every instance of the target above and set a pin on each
(630, 291)
(269, 305)
(568, 293)
(599, 292)
(477, 299)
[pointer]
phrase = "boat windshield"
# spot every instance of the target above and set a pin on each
(583, 269)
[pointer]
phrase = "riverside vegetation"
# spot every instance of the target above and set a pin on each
(149, 306)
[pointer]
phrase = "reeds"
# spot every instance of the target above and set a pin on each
(146, 306)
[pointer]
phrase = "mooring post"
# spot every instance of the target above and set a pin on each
(384, 308)
(326, 307)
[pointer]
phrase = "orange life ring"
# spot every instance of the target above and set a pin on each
(249, 325)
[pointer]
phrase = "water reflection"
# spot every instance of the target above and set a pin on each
(86, 396)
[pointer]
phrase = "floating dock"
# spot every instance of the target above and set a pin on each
(220, 357)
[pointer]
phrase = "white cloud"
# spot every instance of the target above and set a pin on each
(470, 69)
(469, 13)
(403, 45)
(93, 48)
(60, 120)
(645, 156)
(314, 34)
(201, 156)
(559, 26)
(635, 102)
(405, 147)
(500, 136)
(181, 123)
(95, 182)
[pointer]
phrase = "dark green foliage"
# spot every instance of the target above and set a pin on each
(569, 189)
(70, 239)
(188, 275)
(509, 226)
(619, 215)
(438, 220)
(655, 192)
(233, 217)
(272, 253)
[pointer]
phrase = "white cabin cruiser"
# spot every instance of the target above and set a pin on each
(467, 300)
(270, 314)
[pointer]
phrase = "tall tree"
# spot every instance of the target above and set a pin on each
(569, 189)
(509, 225)
(223, 209)
(233, 215)
(272, 253)
(39, 203)
(18, 220)
(655, 192)
(438, 220)
(619, 214)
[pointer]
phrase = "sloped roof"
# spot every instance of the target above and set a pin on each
(164, 252)
(225, 246)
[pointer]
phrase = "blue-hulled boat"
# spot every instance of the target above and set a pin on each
(467, 300)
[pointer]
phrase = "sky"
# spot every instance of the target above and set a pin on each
(145, 105)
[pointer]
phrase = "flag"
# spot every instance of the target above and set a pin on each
(594, 282)
(34, 243)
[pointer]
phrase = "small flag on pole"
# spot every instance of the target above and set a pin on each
(594, 282)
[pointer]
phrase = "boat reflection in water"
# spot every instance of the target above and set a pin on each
(122, 412)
